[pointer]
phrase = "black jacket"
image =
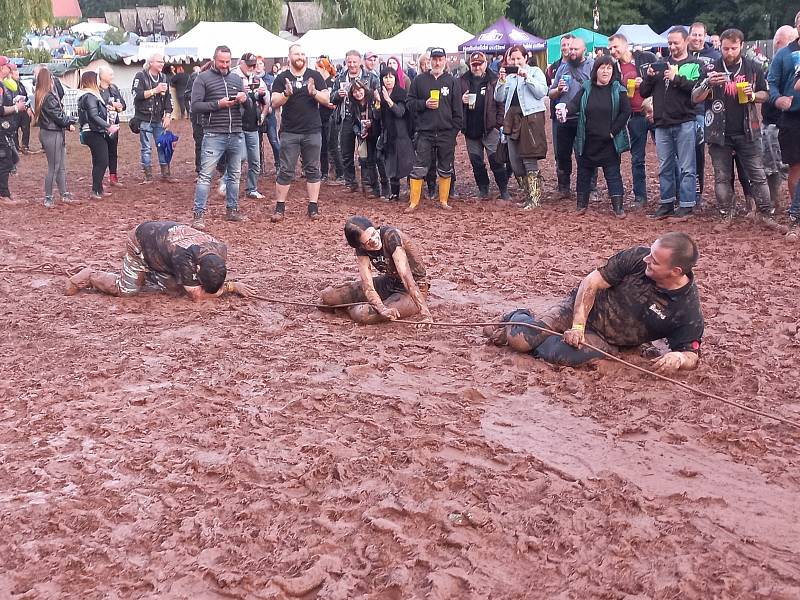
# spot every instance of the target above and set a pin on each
(92, 113)
(672, 104)
(395, 123)
(152, 109)
(343, 103)
(449, 115)
(112, 94)
(208, 89)
(493, 111)
(51, 114)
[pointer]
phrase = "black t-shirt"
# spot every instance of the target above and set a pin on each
(301, 112)
(175, 249)
(734, 112)
(634, 310)
(392, 239)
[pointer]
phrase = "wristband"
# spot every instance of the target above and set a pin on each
(230, 287)
(578, 326)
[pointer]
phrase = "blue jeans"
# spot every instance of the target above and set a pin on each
(637, 129)
(675, 146)
(214, 146)
(146, 130)
(250, 149)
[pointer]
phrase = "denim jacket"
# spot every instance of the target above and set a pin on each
(531, 90)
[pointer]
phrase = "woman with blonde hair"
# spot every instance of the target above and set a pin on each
(52, 122)
(95, 129)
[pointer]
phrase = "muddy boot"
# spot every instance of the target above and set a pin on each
(114, 180)
(280, 210)
(105, 282)
(534, 185)
(414, 194)
(444, 192)
(313, 211)
(774, 184)
(147, 174)
(616, 205)
(49, 202)
(583, 203)
(165, 174)
(522, 182)
(198, 219)
(233, 214)
(79, 281)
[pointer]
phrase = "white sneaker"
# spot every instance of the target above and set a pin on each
(255, 195)
(221, 189)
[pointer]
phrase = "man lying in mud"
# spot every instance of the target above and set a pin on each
(165, 256)
(400, 288)
(640, 295)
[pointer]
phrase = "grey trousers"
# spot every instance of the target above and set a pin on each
(55, 149)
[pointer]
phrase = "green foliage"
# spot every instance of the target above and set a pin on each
(386, 18)
(115, 36)
(266, 13)
(19, 17)
(31, 55)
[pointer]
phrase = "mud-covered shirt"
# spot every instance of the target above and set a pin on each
(175, 249)
(634, 310)
(392, 239)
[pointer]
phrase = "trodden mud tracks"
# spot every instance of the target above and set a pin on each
(151, 448)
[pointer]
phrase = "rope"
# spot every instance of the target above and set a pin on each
(681, 384)
(48, 267)
(308, 304)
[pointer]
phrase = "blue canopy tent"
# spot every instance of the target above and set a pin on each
(500, 36)
(642, 35)
(593, 40)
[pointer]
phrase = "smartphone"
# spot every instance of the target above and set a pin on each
(232, 97)
(254, 85)
(511, 70)
(659, 67)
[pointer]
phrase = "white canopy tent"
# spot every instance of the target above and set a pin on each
(90, 28)
(417, 38)
(334, 43)
(201, 40)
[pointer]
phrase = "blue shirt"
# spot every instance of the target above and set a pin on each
(782, 76)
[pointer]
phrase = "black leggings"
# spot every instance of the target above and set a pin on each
(113, 143)
(99, 147)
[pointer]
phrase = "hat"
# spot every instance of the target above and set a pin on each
(249, 59)
(477, 58)
(3, 61)
(437, 52)
(369, 54)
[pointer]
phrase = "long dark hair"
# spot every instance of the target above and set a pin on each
(353, 228)
(44, 85)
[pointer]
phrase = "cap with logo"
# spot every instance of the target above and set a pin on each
(438, 52)
(477, 58)
(368, 55)
(249, 59)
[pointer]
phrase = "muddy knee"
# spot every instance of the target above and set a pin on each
(364, 313)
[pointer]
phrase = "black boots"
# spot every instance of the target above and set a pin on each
(616, 205)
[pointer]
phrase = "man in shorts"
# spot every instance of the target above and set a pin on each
(398, 291)
(165, 256)
(640, 295)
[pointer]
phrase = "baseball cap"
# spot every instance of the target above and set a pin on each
(437, 52)
(369, 55)
(249, 59)
(477, 58)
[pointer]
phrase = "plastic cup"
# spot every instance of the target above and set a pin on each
(471, 99)
(566, 78)
(435, 95)
(561, 112)
(631, 87)
(740, 87)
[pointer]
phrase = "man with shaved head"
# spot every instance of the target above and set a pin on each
(153, 109)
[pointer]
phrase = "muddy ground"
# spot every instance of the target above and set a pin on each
(154, 448)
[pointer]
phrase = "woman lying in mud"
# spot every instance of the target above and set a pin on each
(400, 288)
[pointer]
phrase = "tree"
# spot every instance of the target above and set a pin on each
(266, 13)
(547, 18)
(381, 19)
(20, 17)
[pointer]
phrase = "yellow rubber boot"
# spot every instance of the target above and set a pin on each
(414, 194)
(444, 192)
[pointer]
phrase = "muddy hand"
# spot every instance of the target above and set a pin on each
(244, 290)
(574, 337)
(669, 363)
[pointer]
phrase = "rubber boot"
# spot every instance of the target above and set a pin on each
(414, 194)
(394, 194)
(583, 202)
(774, 184)
(534, 185)
(444, 192)
(148, 174)
(616, 205)
(105, 282)
(79, 281)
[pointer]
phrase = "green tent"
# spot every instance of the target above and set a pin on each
(592, 39)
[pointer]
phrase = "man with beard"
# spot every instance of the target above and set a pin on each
(483, 117)
(567, 82)
(674, 119)
(705, 54)
(550, 74)
(783, 92)
(640, 295)
(217, 97)
(732, 126)
(300, 91)
(345, 118)
(438, 116)
(153, 108)
(629, 68)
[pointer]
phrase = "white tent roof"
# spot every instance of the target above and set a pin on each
(335, 43)
(416, 39)
(89, 28)
(201, 40)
